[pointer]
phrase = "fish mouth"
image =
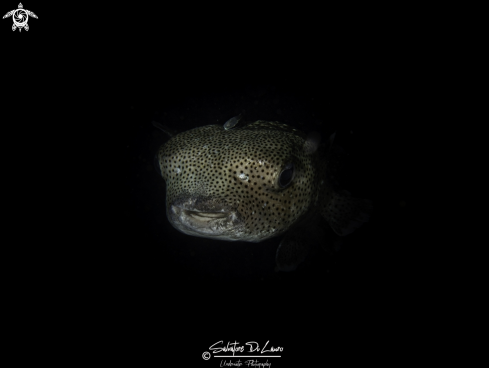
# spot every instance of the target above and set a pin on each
(206, 218)
(200, 221)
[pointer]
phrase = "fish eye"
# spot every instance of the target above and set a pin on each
(286, 176)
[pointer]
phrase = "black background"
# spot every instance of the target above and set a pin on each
(96, 249)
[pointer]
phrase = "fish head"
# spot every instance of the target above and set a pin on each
(247, 183)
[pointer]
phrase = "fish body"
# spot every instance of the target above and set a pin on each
(254, 181)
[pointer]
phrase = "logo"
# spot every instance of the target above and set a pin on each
(20, 17)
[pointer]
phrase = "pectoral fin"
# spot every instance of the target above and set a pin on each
(345, 213)
(292, 251)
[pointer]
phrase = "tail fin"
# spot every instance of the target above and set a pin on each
(345, 214)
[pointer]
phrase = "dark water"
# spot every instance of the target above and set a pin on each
(118, 265)
(210, 261)
(367, 172)
(234, 282)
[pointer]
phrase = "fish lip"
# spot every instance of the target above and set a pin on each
(202, 215)
(205, 218)
(201, 204)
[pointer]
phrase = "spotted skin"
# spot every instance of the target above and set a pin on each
(254, 182)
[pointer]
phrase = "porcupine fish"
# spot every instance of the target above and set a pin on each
(254, 181)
